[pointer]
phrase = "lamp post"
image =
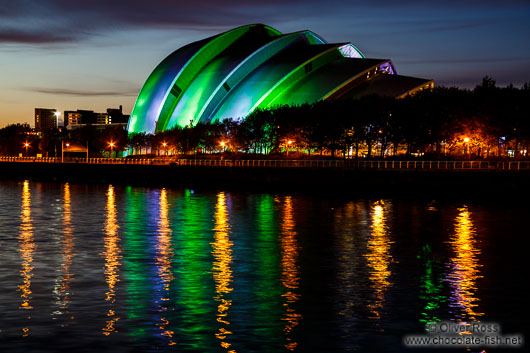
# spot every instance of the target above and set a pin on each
(111, 144)
(26, 145)
(222, 144)
(62, 150)
(289, 143)
(466, 140)
(164, 144)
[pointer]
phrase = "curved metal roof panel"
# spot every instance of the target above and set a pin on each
(254, 66)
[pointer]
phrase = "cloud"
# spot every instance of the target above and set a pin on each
(52, 21)
(81, 93)
(463, 61)
(19, 36)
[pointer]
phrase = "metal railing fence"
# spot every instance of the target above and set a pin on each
(348, 164)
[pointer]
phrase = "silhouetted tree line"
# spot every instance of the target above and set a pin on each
(13, 140)
(484, 122)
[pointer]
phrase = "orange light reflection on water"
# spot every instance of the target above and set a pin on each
(164, 259)
(222, 254)
(290, 272)
(464, 267)
(112, 256)
(62, 284)
(379, 257)
(26, 249)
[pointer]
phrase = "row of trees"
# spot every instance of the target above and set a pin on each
(483, 122)
(21, 139)
(486, 121)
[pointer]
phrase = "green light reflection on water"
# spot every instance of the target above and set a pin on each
(178, 253)
(135, 254)
(164, 259)
(194, 287)
(268, 289)
(431, 286)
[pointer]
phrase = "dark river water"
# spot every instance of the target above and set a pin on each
(101, 268)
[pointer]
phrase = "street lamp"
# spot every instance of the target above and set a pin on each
(289, 143)
(222, 144)
(466, 140)
(26, 145)
(62, 149)
(111, 144)
(164, 144)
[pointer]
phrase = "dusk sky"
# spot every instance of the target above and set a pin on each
(96, 54)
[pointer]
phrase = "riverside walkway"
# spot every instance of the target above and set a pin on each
(257, 163)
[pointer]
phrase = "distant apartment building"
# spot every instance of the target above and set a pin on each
(45, 119)
(80, 118)
(72, 118)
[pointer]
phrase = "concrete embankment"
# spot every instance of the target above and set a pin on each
(358, 181)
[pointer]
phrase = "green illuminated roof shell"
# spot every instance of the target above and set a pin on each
(255, 66)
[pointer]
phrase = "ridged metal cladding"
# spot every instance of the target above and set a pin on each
(255, 66)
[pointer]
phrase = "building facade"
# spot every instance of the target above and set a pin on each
(79, 118)
(45, 119)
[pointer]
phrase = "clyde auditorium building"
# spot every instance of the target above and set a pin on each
(233, 73)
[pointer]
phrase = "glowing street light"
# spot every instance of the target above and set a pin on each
(62, 149)
(164, 144)
(289, 143)
(26, 145)
(111, 144)
(466, 140)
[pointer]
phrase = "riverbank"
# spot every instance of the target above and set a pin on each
(359, 181)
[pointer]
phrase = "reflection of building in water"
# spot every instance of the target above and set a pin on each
(164, 258)
(112, 259)
(349, 224)
(266, 271)
(222, 253)
(378, 257)
(26, 250)
(63, 281)
(136, 272)
(193, 284)
(431, 286)
(464, 267)
(290, 272)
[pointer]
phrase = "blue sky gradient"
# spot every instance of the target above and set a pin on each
(95, 54)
